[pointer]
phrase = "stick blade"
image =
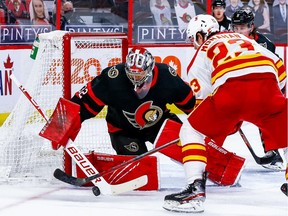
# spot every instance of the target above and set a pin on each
(64, 177)
(284, 188)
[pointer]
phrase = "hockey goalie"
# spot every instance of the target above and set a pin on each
(136, 93)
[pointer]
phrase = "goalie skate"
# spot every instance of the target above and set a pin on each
(189, 200)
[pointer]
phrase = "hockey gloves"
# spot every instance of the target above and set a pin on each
(64, 124)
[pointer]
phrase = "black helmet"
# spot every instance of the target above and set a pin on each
(219, 3)
(243, 16)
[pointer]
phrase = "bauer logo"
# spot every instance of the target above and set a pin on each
(5, 81)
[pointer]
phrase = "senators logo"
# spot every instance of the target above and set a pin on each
(186, 18)
(146, 115)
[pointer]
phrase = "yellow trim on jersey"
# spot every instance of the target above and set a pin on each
(195, 158)
(193, 147)
(243, 65)
(282, 76)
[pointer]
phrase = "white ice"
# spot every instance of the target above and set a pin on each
(257, 195)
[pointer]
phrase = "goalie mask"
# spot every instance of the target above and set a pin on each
(204, 24)
(139, 66)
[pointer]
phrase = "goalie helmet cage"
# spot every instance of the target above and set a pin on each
(65, 62)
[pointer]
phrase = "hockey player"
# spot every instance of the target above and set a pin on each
(218, 11)
(237, 71)
(243, 23)
(136, 93)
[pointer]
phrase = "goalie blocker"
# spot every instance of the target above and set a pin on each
(64, 124)
(223, 167)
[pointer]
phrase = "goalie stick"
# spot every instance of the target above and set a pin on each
(258, 160)
(74, 153)
(59, 174)
(284, 188)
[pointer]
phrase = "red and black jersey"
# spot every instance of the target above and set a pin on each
(125, 110)
(265, 42)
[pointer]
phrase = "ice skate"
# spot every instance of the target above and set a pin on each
(189, 200)
(277, 162)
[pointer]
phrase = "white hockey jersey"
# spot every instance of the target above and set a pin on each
(227, 55)
(184, 14)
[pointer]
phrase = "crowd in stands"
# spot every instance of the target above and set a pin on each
(23, 12)
(270, 15)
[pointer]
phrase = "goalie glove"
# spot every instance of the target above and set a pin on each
(64, 124)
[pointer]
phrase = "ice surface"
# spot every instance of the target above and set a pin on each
(257, 195)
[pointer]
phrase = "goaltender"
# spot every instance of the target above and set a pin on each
(136, 94)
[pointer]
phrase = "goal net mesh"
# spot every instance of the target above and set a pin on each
(26, 155)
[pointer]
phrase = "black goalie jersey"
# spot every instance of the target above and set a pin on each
(126, 111)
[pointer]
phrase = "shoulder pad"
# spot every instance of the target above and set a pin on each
(164, 67)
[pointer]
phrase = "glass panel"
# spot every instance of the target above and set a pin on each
(22, 20)
(163, 21)
(95, 16)
(154, 21)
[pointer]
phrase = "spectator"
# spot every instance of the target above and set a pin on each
(38, 13)
(69, 17)
(261, 11)
(232, 6)
(6, 16)
(161, 11)
(55, 10)
(280, 14)
(67, 7)
(218, 12)
(185, 10)
(17, 8)
(243, 23)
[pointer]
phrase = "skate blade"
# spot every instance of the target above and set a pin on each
(275, 167)
(195, 206)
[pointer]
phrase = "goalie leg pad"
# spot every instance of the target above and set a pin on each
(223, 167)
(146, 166)
(167, 133)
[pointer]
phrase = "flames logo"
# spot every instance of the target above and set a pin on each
(146, 115)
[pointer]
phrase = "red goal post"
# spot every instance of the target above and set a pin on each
(64, 63)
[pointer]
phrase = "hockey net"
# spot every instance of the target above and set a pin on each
(65, 62)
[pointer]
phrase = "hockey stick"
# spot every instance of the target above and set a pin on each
(59, 174)
(284, 188)
(82, 161)
(259, 160)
